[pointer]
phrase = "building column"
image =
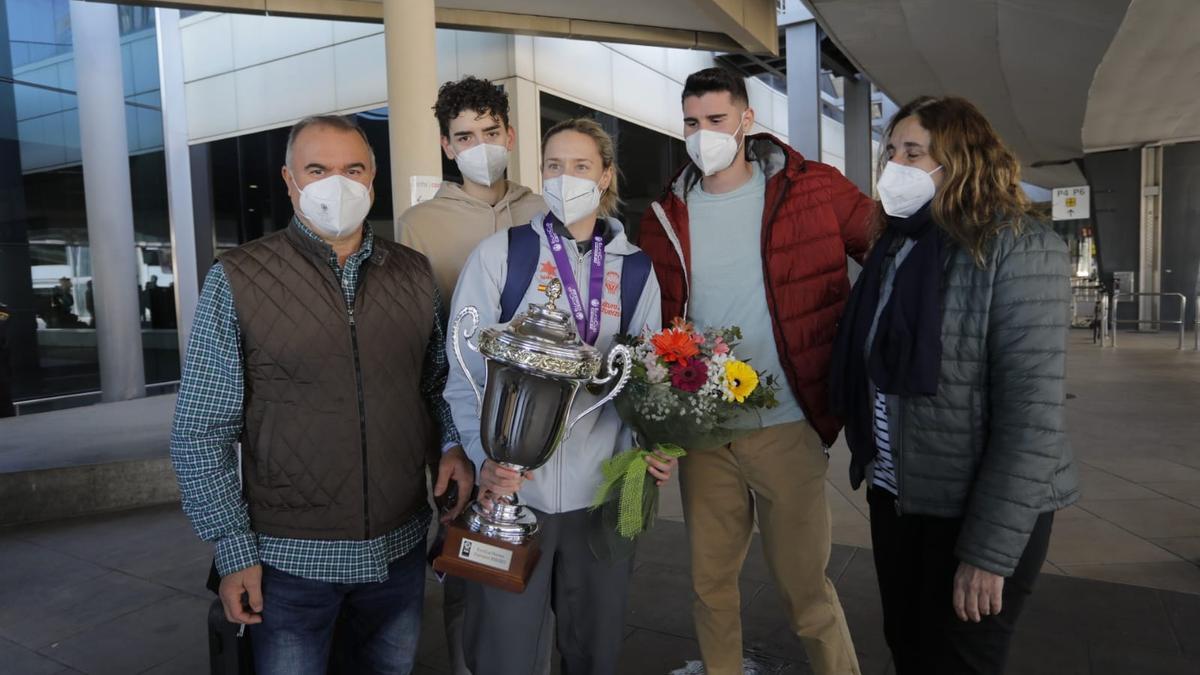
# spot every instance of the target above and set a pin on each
(856, 95)
(524, 116)
(803, 88)
(105, 151)
(410, 39)
(1150, 254)
(179, 171)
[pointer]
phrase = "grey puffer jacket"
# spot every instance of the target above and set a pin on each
(991, 446)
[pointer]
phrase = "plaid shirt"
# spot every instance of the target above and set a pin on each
(209, 420)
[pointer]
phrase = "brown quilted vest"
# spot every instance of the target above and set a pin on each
(336, 429)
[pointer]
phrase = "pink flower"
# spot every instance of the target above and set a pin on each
(719, 347)
(689, 375)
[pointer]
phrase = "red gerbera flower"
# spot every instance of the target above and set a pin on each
(689, 375)
(674, 346)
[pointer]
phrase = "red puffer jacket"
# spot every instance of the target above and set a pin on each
(812, 219)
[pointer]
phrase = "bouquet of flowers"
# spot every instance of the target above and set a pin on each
(688, 390)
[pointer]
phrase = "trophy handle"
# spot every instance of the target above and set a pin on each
(618, 352)
(466, 333)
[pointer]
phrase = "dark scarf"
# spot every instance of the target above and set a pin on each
(906, 354)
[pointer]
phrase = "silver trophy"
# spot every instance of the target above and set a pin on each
(535, 368)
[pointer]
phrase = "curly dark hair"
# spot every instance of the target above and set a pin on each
(470, 93)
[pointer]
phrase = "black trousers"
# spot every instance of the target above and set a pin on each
(915, 563)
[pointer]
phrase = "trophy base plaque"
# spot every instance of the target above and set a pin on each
(488, 560)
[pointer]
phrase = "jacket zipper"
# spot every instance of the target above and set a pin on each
(579, 270)
(358, 384)
(362, 417)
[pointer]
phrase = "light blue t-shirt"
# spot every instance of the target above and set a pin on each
(727, 286)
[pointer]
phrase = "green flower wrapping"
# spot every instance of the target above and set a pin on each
(626, 483)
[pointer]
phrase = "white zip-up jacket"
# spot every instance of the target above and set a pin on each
(569, 480)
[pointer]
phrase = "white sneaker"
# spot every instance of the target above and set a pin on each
(749, 667)
(752, 667)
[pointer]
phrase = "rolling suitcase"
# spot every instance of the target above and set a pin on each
(228, 654)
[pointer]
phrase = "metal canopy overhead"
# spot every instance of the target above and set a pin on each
(1028, 64)
(1145, 90)
(718, 25)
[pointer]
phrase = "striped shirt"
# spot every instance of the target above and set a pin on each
(209, 421)
(885, 468)
(884, 471)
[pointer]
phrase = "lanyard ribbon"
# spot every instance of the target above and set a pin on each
(589, 322)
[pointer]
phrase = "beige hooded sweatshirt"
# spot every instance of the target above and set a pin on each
(448, 227)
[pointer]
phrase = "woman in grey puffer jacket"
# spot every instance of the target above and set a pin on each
(949, 370)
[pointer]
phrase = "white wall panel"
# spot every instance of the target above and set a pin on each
(283, 69)
(345, 31)
(640, 93)
(447, 57)
(212, 106)
(779, 111)
(257, 39)
(523, 56)
(358, 80)
(654, 58)
(673, 103)
(580, 69)
(208, 47)
(761, 101)
(286, 89)
(684, 62)
(833, 143)
(483, 55)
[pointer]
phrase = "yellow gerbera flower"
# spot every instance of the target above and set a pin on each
(740, 380)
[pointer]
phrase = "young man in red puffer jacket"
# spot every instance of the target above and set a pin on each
(754, 235)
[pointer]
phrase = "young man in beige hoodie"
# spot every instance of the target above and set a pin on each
(473, 117)
(472, 114)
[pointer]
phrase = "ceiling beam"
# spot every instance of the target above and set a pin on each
(752, 23)
(488, 21)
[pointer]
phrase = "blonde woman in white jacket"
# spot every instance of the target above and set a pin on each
(503, 632)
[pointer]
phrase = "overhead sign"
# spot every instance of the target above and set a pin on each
(1072, 203)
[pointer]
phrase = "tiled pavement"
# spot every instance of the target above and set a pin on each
(1134, 424)
(123, 594)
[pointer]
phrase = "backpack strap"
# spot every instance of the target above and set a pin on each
(635, 270)
(524, 249)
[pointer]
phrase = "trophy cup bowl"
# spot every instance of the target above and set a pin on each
(534, 370)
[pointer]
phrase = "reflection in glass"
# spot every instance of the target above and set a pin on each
(45, 270)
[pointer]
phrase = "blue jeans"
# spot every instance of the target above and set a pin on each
(383, 621)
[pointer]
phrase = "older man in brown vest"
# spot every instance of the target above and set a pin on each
(319, 348)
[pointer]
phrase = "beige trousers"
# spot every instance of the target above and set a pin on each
(784, 467)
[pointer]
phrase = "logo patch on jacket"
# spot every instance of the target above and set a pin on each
(612, 282)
